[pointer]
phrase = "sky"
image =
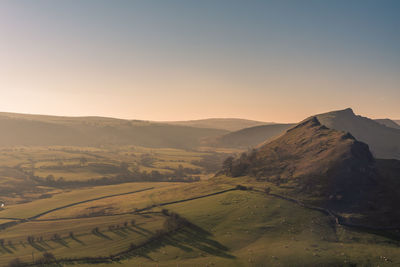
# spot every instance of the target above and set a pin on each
(164, 60)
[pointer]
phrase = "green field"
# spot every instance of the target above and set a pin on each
(229, 228)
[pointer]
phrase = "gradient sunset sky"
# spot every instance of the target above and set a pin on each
(177, 60)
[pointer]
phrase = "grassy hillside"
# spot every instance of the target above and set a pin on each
(249, 137)
(37, 130)
(235, 228)
(383, 141)
(220, 123)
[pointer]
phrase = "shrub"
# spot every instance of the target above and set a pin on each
(47, 257)
(165, 212)
(241, 187)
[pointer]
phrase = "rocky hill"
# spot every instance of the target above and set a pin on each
(327, 168)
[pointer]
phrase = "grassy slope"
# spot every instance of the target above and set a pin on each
(252, 229)
(238, 228)
(249, 137)
(29, 209)
(85, 242)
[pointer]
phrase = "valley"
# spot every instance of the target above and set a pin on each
(227, 221)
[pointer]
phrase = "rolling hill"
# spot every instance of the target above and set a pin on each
(327, 168)
(248, 137)
(388, 122)
(229, 124)
(383, 141)
(38, 130)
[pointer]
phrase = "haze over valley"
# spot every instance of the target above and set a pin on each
(199, 133)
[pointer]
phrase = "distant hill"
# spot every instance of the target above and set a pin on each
(383, 141)
(327, 168)
(388, 123)
(229, 124)
(36, 130)
(249, 137)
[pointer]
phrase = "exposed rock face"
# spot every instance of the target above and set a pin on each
(320, 161)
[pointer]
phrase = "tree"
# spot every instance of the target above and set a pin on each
(50, 178)
(227, 164)
(48, 257)
(56, 237)
(165, 212)
(82, 161)
(30, 239)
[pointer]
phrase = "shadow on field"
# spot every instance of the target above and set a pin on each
(44, 244)
(4, 249)
(143, 230)
(76, 239)
(119, 232)
(62, 242)
(187, 239)
(12, 246)
(135, 231)
(101, 235)
(37, 246)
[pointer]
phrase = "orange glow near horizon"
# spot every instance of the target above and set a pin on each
(149, 62)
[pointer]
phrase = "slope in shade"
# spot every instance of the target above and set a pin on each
(383, 141)
(388, 123)
(249, 137)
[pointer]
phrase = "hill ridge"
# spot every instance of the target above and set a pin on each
(322, 166)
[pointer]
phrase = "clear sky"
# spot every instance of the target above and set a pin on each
(176, 60)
